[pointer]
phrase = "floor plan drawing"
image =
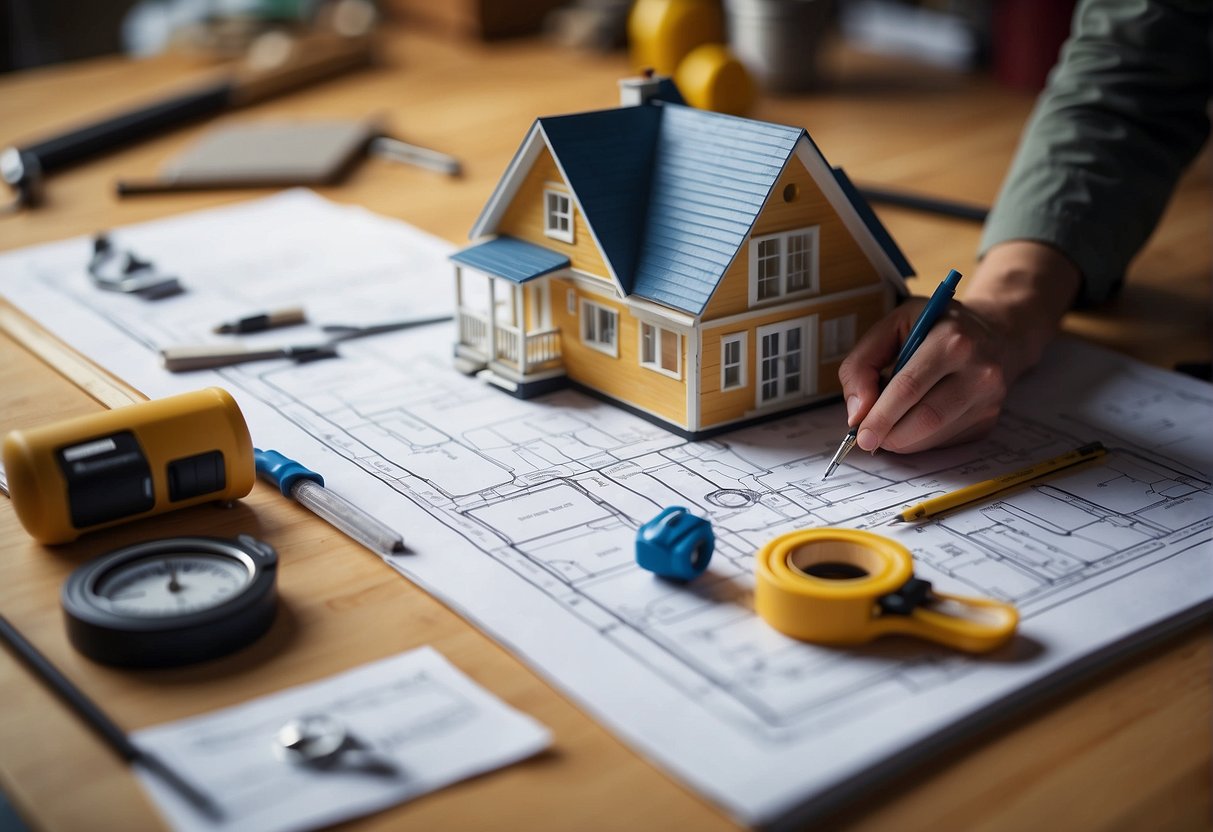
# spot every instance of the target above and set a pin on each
(555, 490)
(522, 515)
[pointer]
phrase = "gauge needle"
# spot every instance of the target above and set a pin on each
(173, 584)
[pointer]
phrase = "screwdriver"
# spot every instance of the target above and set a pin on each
(307, 488)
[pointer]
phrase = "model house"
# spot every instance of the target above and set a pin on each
(700, 269)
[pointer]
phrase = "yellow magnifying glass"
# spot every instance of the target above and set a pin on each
(846, 587)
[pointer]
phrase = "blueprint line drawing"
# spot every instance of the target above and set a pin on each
(556, 492)
(522, 514)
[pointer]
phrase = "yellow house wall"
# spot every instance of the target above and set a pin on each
(718, 407)
(621, 378)
(841, 263)
(524, 219)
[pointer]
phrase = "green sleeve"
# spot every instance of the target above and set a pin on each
(1124, 112)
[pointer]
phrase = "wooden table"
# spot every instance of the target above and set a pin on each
(1128, 749)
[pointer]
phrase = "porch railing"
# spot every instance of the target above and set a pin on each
(474, 330)
(542, 348)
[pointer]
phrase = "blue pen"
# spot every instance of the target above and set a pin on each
(931, 313)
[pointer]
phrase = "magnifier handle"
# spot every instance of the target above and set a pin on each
(975, 625)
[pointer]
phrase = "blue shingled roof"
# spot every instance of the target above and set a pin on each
(607, 157)
(711, 177)
(670, 193)
(515, 260)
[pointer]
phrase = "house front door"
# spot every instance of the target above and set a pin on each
(787, 361)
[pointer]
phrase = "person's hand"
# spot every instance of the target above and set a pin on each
(950, 390)
(953, 387)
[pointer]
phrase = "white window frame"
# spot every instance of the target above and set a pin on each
(740, 339)
(838, 336)
(782, 260)
(589, 328)
(660, 333)
(552, 214)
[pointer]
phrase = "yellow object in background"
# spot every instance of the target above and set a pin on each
(846, 587)
(663, 32)
(95, 471)
(711, 78)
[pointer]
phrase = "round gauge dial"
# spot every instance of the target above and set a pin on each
(172, 584)
(172, 601)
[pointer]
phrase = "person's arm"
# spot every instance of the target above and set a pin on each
(1123, 114)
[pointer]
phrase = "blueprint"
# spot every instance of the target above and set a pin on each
(523, 515)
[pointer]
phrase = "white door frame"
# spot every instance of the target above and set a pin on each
(805, 377)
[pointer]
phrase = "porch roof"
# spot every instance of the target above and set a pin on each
(508, 257)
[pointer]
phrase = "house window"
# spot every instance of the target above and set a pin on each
(558, 215)
(661, 349)
(837, 337)
(732, 361)
(600, 327)
(783, 265)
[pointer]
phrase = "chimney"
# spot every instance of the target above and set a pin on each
(639, 90)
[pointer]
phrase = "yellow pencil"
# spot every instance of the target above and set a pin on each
(970, 493)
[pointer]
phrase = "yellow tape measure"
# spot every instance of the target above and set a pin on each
(94, 471)
(845, 586)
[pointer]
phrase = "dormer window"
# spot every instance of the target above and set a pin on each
(783, 265)
(557, 215)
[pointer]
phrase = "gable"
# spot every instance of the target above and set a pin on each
(795, 202)
(523, 217)
(856, 216)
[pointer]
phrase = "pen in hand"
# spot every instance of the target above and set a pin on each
(931, 313)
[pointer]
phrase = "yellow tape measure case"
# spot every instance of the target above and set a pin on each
(96, 471)
(847, 586)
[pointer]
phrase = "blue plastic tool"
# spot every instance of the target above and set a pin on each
(307, 487)
(675, 544)
(283, 471)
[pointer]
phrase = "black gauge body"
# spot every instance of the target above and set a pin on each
(172, 601)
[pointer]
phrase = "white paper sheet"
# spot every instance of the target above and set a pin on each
(522, 515)
(418, 722)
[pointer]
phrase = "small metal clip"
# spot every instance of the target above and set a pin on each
(118, 271)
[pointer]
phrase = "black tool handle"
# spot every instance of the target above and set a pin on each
(68, 692)
(96, 138)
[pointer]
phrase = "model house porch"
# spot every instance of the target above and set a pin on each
(504, 313)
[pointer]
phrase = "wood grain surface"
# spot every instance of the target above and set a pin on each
(1129, 748)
